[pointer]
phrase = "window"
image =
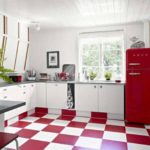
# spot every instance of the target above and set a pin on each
(101, 52)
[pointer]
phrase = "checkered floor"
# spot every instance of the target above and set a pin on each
(53, 132)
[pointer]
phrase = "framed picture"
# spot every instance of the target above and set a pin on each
(53, 59)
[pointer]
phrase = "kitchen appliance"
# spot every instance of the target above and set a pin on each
(31, 75)
(69, 69)
(137, 104)
(16, 78)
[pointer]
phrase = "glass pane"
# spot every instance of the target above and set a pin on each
(90, 56)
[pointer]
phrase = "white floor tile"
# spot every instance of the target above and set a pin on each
(115, 122)
(132, 146)
(115, 136)
(137, 131)
(55, 146)
(72, 131)
(44, 136)
(36, 126)
(30, 119)
(147, 126)
(11, 129)
(21, 141)
(81, 119)
(60, 123)
(87, 142)
(51, 116)
(95, 126)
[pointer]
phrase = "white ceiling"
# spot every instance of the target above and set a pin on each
(77, 13)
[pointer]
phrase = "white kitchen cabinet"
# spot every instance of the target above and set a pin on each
(41, 94)
(111, 98)
(86, 97)
(107, 98)
(21, 56)
(57, 95)
(12, 27)
(10, 53)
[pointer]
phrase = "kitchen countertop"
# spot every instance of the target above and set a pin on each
(3, 84)
(9, 105)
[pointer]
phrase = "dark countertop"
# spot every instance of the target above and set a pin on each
(9, 105)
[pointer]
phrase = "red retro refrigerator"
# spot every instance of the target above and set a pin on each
(137, 99)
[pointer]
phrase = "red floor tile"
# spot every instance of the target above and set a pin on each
(95, 120)
(138, 139)
(77, 124)
(53, 128)
(27, 133)
(20, 124)
(113, 145)
(38, 115)
(136, 125)
(66, 118)
(80, 148)
(114, 128)
(66, 139)
(44, 120)
(34, 145)
(92, 133)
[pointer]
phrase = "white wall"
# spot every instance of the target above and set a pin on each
(66, 41)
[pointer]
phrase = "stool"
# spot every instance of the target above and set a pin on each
(6, 138)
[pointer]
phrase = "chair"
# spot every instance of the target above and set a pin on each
(6, 138)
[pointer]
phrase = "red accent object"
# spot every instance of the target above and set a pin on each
(23, 115)
(137, 85)
(98, 115)
(68, 112)
(41, 110)
(92, 133)
(5, 123)
(6, 138)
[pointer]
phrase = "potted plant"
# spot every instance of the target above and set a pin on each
(108, 75)
(92, 75)
(4, 71)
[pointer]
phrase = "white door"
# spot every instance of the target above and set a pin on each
(10, 53)
(21, 56)
(12, 27)
(1, 24)
(57, 95)
(111, 98)
(41, 95)
(86, 97)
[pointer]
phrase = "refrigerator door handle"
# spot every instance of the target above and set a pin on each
(134, 64)
(134, 73)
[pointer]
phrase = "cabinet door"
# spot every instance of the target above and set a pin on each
(57, 95)
(21, 56)
(41, 95)
(111, 98)
(10, 53)
(32, 96)
(86, 97)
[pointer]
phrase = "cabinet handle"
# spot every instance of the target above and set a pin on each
(4, 89)
(5, 97)
(24, 86)
(94, 86)
(24, 92)
(32, 85)
(101, 86)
